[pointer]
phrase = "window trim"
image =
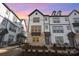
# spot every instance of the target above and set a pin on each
(56, 19)
(57, 30)
(58, 38)
(36, 20)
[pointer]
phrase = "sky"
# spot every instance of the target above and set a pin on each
(22, 10)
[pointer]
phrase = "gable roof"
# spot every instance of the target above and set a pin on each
(58, 15)
(73, 11)
(35, 11)
(54, 15)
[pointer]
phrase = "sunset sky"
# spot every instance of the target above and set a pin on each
(24, 9)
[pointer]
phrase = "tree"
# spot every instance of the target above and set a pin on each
(21, 38)
(2, 34)
(71, 37)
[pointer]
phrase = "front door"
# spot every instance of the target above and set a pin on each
(47, 40)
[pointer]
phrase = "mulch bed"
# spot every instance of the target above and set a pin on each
(49, 53)
(44, 54)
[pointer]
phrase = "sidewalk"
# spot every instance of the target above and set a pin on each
(10, 51)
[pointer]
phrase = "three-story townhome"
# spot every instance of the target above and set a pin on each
(36, 28)
(74, 22)
(52, 29)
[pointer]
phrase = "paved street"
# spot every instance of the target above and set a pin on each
(10, 51)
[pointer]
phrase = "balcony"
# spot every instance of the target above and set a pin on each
(75, 24)
(36, 33)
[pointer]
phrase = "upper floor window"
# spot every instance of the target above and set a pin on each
(74, 13)
(36, 13)
(36, 19)
(4, 22)
(66, 18)
(7, 12)
(77, 29)
(59, 39)
(56, 19)
(36, 28)
(57, 29)
(76, 20)
(14, 19)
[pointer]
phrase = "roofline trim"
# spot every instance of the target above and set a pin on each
(10, 10)
(54, 15)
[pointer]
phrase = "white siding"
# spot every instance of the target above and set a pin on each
(60, 34)
(40, 23)
(72, 20)
(10, 18)
(64, 21)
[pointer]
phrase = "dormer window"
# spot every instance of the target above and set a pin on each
(36, 13)
(74, 13)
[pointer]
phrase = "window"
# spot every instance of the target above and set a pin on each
(59, 39)
(12, 27)
(57, 29)
(36, 19)
(77, 29)
(66, 18)
(8, 12)
(14, 19)
(76, 20)
(35, 38)
(74, 13)
(46, 27)
(4, 22)
(35, 28)
(68, 28)
(56, 19)
(36, 13)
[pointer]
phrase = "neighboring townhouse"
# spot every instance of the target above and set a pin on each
(52, 29)
(74, 22)
(11, 23)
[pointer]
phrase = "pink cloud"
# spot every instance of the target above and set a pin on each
(23, 14)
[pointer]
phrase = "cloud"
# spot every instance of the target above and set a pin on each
(24, 9)
(23, 14)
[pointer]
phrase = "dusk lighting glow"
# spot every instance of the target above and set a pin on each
(24, 9)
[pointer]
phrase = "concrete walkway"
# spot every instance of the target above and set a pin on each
(10, 51)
